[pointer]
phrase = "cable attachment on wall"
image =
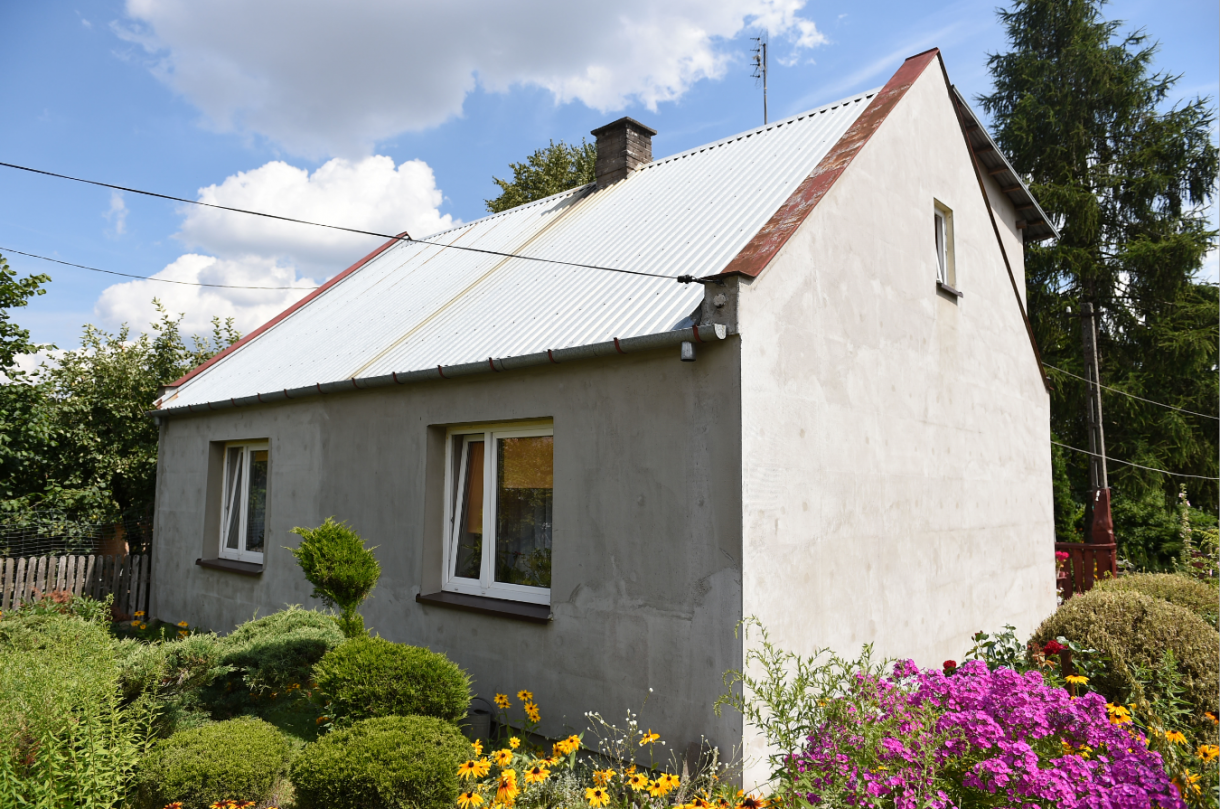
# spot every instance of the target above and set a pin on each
(707, 279)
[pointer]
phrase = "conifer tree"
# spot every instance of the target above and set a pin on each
(1126, 173)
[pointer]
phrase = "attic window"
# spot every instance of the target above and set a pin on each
(946, 273)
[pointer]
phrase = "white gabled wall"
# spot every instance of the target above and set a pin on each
(896, 465)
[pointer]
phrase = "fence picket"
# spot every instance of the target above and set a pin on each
(87, 587)
(6, 575)
(127, 577)
(133, 583)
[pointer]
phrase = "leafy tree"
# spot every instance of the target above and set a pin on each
(547, 171)
(15, 292)
(1126, 174)
(91, 449)
(342, 571)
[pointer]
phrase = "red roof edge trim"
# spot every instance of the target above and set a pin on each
(284, 314)
(757, 254)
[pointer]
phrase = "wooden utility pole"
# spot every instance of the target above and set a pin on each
(1102, 528)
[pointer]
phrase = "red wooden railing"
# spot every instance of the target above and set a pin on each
(1086, 563)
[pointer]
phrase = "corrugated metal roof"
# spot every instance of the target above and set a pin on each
(416, 306)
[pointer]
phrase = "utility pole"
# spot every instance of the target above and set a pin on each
(760, 68)
(1102, 528)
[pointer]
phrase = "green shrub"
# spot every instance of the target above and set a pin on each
(280, 650)
(67, 736)
(394, 762)
(1197, 596)
(368, 677)
(342, 571)
(1134, 630)
(241, 759)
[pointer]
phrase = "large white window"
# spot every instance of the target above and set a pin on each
(499, 498)
(243, 514)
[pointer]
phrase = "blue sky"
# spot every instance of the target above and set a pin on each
(397, 116)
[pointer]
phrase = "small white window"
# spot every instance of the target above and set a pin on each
(499, 496)
(943, 241)
(243, 510)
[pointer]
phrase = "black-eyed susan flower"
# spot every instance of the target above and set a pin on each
(525, 696)
(537, 774)
(502, 701)
(637, 781)
(603, 777)
(752, 802)
(468, 770)
(656, 789)
(699, 803)
(478, 747)
(568, 745)
(482, 767)
(670, 781)
(174, 805)
(514, 742)
(1211, 717)
(1176, 737)
(506, 787)
(597, 796)
(1076, 679)
(183, 624)
(321, 719)
(467, 800)
(1208, 752)
(649, 737)
(502, 758)
(531, 711)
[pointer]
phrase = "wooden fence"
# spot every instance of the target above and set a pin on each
(25, 579)
(1086, 563)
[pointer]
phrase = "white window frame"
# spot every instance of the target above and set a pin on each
(249, 448)
(485, 585)
(946, 272)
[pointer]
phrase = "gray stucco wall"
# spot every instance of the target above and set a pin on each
(647, 528)
(896, 480)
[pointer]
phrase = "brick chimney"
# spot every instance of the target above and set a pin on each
(622, 147)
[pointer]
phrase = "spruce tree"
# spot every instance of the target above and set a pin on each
(1126, 173)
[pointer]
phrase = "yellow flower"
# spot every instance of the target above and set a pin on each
(525, 696)
(183, 624)
(469, 799)
(321, 719)
(502, 701)
(514, 742)
(1118, 714)
(502, 757)
(603, 777)
(482, 767)
(638, 782)
(549, 761)
(1211, 716)
(1208, 752)
(656, 789)
(669, 781)
(478, 747)
(467, 769)
(1189, 783)
(649, 737)
(751, 802)
(568, 745)
(1076, 679)
(182, 633)
(506, 787)
(143, 626)
(699, 803)
(139, 613)
(1176, 737)
(596, 796)
(536, 774)
(531, 710)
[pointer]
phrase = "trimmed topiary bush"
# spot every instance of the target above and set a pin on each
(369, 677)
(1132, 628)
(393, 762)
(342, 571)
(242, 759)
(1199, 597)
(280, 650)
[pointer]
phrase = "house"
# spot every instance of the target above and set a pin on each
(579, 480)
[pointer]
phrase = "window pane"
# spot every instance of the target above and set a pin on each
(256, 501)
(525, 484)
(231, 525)
(941, 275)
(469, 556)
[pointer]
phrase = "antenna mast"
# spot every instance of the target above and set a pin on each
(760, 67)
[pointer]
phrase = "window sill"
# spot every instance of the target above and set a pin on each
(948, 290)
(536, 613)
(231, 566)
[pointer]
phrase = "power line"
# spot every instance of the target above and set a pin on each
(1133, 396)
(1137, 466)
(403, 237)
(142, 277)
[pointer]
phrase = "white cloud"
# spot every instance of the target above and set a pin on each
(116, 214)
(244, 251)
(333, 78)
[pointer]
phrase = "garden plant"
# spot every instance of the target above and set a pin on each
(342, 571)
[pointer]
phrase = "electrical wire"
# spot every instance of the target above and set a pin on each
(1132, 395)
(1137, 466)
(403, 237)
(143, 277)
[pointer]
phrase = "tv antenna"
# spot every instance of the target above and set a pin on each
(760, 67)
